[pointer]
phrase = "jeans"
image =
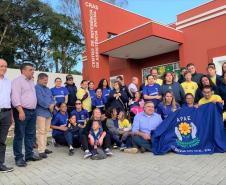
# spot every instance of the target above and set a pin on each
(68, 138)
(141, 142)
(4, 127)
(116, 139)
(128, 142)
(24, 130)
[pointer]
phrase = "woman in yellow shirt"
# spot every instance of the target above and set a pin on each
(124, 126)
(123, 123)
(189, 86)
(84, 96)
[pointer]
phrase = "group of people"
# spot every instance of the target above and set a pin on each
(96, 117)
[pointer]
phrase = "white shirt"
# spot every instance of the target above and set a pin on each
(132, 86)
(5, 93)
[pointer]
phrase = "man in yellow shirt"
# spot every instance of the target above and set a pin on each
(209, 96)
(189, 86)
(154, 73)
(84, 96)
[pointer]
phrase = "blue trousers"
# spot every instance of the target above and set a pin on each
(68, 138)
(24, 130)
(116, 139)
(141, 142)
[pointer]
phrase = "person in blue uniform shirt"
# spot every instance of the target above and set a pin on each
(151, 91)
(189, 101)
(168, 105)
(60, 93)
(92, 91)
(60, 132)
(82, 116)
(98, 101)
(104, 86)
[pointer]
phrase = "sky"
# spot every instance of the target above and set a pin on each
(163, 11)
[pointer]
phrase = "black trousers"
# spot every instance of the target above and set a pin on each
(86, 145)
(4, 128)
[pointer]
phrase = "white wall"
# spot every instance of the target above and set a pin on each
(13, 73)
(218, 61)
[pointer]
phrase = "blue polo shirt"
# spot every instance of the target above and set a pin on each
(58, 120)
(185, 105)
(92, 93)
(81, 116)
(98, 103)
(106, 93)
(165, 110)
(152, 90)
(59, 94)
(145, 123)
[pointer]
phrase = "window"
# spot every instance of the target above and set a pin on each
(170, 67)
(218, 61)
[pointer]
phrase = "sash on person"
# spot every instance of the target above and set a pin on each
(191, 131)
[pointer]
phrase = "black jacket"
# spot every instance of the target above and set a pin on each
(219, 80)
(196, 77)
(72, 89)
(119, 104)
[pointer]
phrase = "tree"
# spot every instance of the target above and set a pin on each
(31, 31)
(65, 44)
(71, 8)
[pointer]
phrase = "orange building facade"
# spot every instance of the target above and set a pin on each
(119, 42)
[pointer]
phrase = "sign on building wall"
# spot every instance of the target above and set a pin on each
(94, 38)
(170, 67)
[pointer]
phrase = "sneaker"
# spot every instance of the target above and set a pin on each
(87, 154)
(142, 150)
(54, 143)
(108, 152)
(122, 147)
(5, 169)
(21, 163)
(131, 150)
(43, 155)
(33, 158)
(48, 151)
(71, 151)
(115, 146)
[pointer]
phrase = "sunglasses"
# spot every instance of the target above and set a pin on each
(77, 103)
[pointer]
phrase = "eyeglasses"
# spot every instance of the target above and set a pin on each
(77, 103)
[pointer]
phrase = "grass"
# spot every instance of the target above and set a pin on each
(9, 141)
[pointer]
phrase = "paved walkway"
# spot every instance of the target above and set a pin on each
(120, 169)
